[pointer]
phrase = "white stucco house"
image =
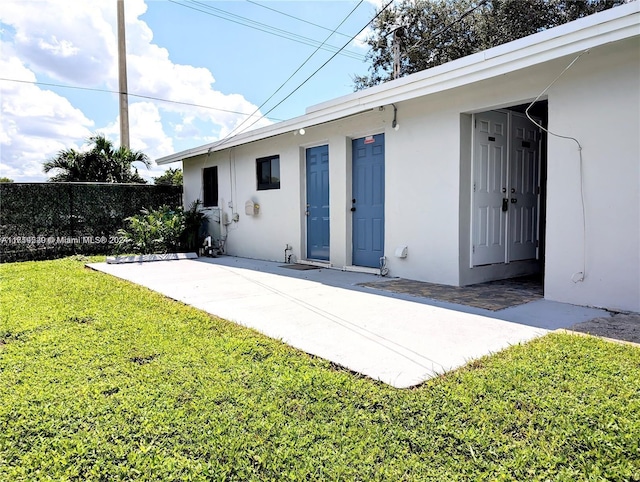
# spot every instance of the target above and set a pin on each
(441, 177)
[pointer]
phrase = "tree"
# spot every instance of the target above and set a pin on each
(101, 163)
(432, 32)
(5, 179)
(171, 177)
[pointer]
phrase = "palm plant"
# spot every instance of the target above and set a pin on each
(101, 163)
(153, 231)
(70, 164)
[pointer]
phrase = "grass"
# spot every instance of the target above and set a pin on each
(104, 380)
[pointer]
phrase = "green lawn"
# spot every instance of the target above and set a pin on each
(103, 380)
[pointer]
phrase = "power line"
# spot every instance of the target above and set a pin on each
(295, 72)
(141, 96)
(297, 18)
(447, 27)
(246, 22)
(230, 135)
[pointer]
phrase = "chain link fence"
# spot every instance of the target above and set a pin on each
(50, 220)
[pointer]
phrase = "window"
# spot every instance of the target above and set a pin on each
(268, 169)
(210, 186)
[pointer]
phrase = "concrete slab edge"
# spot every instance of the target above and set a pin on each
(612, 340)
(143, 258)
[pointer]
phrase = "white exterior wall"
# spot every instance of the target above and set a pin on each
(598, 102)
(265, 235)
(422, 177)
(428, 181)
(421, 199)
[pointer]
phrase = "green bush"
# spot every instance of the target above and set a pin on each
(193, 219)
(153, 231)
(163, 230)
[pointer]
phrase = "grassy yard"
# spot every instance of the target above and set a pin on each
(103, 380)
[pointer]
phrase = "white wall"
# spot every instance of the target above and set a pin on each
(422, 191)
(265, 235)
(598, 102)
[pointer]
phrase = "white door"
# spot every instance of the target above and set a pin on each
(489, 188)
(524, 179)
(506, 188)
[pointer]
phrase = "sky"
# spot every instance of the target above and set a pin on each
(227, 57)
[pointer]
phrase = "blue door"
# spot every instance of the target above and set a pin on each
(368, 201)
(318, 203)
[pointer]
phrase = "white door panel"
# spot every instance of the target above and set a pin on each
(524, 165)
(506, 180)
(490, 178)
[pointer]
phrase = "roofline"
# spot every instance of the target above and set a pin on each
(272, 130)
(615, 24)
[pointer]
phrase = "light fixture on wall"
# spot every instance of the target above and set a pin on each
(395, 124)
(302, 132)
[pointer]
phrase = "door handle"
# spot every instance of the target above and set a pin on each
(505, 204)
(513, 200)
(353, 209)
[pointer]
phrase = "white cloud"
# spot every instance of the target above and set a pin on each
(145, 120)
(75, 43)
(35, 124)
(69, 41)
(151, 72)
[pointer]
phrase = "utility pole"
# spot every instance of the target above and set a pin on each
(398, 33)
(122, 74)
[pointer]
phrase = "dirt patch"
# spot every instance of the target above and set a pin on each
(621, 326)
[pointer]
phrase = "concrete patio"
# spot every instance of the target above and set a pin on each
(396, 338)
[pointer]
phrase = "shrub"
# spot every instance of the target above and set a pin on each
(193, 219)
(153, 231)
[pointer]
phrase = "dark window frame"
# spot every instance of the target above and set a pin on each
(266, 163)
(210, 186)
